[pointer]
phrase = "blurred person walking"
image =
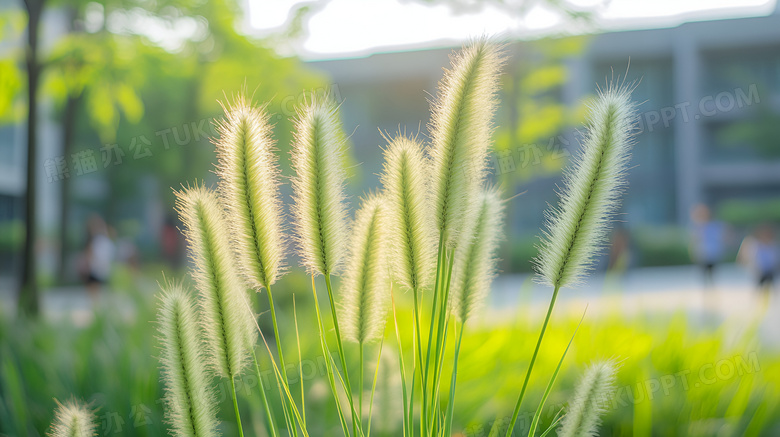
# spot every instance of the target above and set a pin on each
(708, 242)
(759, 253)
(98, 258)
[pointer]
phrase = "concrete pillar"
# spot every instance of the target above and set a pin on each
(687, 133)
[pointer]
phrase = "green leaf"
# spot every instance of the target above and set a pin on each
(538, 414)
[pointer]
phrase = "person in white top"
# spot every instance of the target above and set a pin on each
(99, 255)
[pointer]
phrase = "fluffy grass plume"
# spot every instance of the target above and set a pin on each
(318, 187)
(410, 228)
(225, 314)
(477, 257)
(591, 397)
(461, 126)
(73, 419)
(365, 289)
(250, 190)
(190, 402)
(577, 228)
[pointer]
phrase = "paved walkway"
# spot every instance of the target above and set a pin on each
(71, 302)
(658, 291)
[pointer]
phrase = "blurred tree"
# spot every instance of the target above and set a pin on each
(12, 106)
(28, 294)
(90, 67)
(568, 9)
(533, 118)
(108, 73)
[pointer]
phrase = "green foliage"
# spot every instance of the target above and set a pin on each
(11, 83)
(104, 68)
(532, 115)
(111, 363)
(661, 246)
(746, 212)
(11, 235)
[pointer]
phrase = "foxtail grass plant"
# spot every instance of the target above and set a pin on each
(227, 324)
(460, 131)
(249, 188)
(476, 267)
(409, 220)
(590, 401)
(73, 419)
(319, 208)
(433, 231)
(576, 229)
(191, 407)
(364, 290)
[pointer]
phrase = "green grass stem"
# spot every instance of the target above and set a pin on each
(235, 406)
(531, 364)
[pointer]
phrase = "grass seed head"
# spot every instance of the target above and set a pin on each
(190, 402)
(461, 127)
(476, 257)
(577, 228)
(73, 419)
(365, 289)
(249, 187)
(226, 316)
(410, 225)
(591, 398)
(319, 212)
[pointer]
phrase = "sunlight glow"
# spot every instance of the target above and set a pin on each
(357, 27)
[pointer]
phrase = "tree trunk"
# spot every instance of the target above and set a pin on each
(28, 292)
(68, 131)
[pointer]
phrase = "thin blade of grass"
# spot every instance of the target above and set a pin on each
(342, 356)
(407, 415)
(300, 362)
(269, 420)
(453, 382)
(441, 338)
(279, 377)
(434, 307)
(326, 356)
(494, 429)
(533, 361)
(360, 386)
(373, 386)
(538, 414)
(359, 430)
(287, 408)
(556, 420)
